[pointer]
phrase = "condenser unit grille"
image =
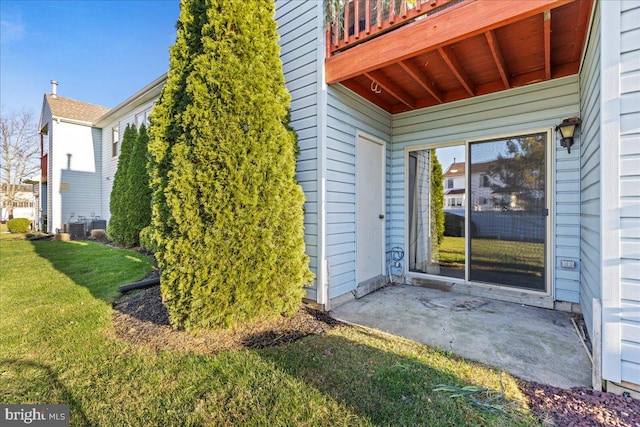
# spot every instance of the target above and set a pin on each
(76, 230)
(100, 224)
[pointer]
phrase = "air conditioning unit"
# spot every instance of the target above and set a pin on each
(76, 230)
(100, 224)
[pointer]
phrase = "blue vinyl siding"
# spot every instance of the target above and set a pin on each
(523, 109)
(297, 27)
(630, 190)
(590, 175)
(347, 114)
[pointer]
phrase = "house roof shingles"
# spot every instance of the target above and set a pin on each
(456, 169)
(76, 110)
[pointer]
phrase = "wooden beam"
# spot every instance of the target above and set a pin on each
(391, 88)
(454, 65)
(422, 79)
(497, 57)
(468, 19)
(528, 78)
(547, 44)
(538, 76)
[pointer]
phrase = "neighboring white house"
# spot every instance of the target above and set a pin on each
(454, 186)
(472, 74)
(72, 150)
(25, 203)
(134, 111)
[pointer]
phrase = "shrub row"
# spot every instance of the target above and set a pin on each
(130, 202)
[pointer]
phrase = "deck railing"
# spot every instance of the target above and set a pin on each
(354, 21)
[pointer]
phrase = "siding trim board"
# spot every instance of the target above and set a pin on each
(610, 195)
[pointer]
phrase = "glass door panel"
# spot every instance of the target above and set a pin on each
(507, 211)
(436, 211)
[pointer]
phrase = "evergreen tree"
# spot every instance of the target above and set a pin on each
(519, 171)
(437, 199)
(117, 203)
(137, 197)
(227, 212)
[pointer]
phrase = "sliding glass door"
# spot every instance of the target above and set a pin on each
(436, 211)
(481, 217)
(508, 211)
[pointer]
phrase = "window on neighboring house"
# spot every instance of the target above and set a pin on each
(484, 181)
(22, 204)
(115, 137)
(450, 183)
(143, 117)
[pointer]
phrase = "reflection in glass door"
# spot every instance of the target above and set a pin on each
(507, 211)
(436, 201)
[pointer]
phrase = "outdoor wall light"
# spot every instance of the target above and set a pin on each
(566, 129)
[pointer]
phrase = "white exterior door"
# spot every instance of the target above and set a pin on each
(370, 208)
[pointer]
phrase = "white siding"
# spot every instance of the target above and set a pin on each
(630, 189)
(45, 121)
(523, 109)
(76, 164)
(110, 163)
(298, 24)
(347, 114)
(590, 175)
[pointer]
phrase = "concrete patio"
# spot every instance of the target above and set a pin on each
(531, 343)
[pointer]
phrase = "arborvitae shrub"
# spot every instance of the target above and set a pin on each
(18, 225)
(137, 196)
(437, 198)
(146, 239)
(227, 211)
(117, 203)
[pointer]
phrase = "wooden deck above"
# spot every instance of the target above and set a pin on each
(403, 54)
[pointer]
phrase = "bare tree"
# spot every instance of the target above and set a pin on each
(19, 154)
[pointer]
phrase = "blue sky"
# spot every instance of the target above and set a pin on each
(100, 51)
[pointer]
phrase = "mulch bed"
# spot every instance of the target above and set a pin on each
(580, 406)
(142, 320)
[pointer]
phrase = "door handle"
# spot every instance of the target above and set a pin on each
(381, 216)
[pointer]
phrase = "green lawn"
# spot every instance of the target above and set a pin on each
(58, 346)
(451, 252)
(503, 255)
(5, 235)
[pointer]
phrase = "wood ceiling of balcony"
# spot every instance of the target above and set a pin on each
(473, 48)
